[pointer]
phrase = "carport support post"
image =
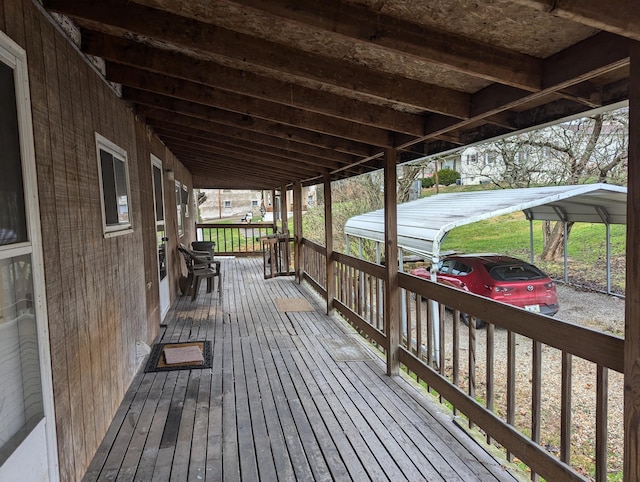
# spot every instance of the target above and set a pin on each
(297, 230)
(328, 242)
(632, 300)
(392, 291)
(529, 217)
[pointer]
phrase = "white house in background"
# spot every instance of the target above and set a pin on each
(479, 167)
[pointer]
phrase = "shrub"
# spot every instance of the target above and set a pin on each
(427, 182)
(447, 177)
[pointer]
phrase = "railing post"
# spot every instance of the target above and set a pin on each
(632, 306)
(392, 292)
(328, 236)
(297, 230)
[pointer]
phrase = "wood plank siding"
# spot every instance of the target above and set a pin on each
(279, 402)
(102, 293)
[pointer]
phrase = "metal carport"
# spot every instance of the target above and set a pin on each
(424, 224)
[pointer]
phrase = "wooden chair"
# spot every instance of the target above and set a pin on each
(200, 265)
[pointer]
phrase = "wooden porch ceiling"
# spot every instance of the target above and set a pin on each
(261, 93)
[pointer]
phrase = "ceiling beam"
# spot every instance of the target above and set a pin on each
(121, 17)
(366, 26)
(208, 96)
(242, 154)
(330, 158)
(620, 16)
(207, 119)
(175, 64)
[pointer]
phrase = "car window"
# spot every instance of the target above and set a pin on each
(520, 272)
(446, 266)
(461, 269)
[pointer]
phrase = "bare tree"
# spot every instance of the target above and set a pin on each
(584, 150)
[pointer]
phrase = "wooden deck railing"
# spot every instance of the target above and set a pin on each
(235, 239)
(460, 363)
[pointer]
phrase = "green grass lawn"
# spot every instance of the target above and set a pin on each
(509, 234)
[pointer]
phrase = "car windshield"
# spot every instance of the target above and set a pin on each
(515, 272)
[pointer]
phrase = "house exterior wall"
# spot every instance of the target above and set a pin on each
(102, 292)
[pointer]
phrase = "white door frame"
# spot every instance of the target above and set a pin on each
(162, 290)
(15, 57)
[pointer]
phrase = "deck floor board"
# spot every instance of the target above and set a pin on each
(276, 405)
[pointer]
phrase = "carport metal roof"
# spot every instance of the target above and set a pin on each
(424, 224)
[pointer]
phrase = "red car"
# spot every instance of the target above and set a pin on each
(501, 278)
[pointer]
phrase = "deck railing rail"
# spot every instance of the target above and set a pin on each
(459, 362)
(240, 239)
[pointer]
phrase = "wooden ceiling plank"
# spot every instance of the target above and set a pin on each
(369, 27)
(620, 17)
(209, 73)
(123, 18)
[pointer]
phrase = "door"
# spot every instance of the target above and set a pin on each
(161, 239)
(27, 423)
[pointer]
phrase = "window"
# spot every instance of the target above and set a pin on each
(114, 185)
(254, 203)
(472, 158)
(179, 207)
(227, 204)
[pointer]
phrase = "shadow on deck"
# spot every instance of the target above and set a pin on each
(280, 402)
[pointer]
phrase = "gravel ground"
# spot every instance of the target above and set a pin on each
(594, 310)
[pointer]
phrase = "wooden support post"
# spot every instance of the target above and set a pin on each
(285, 255)
(297, 230)
(274, 208)
(632, 305)
(328, 239)
(392, 292)
(284, 209)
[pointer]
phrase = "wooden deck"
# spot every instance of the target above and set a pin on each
(278, 403)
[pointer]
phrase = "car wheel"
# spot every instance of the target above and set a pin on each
(479, 323)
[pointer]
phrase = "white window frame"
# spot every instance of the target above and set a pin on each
(227, 204)
(104, 144)
(15, 57)
(179, 219)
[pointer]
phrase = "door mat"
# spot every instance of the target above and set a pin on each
(293, 304)
(346, 349)
(165, 357)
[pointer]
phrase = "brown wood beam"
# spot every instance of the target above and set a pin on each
(619, 17)
(632, 290)
(230, 101)
(309, 163)
(235, 152)
(331, 157)
(297, 231)
(220, 161)
(201, 165)
(207, 119)
(391, 287)
(328, 242)
(206, 181)
(368, 27)
(121, 18)
(175, 64)
(588, 59)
